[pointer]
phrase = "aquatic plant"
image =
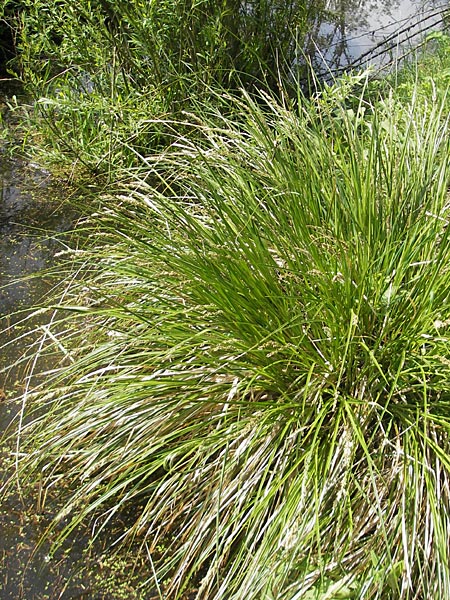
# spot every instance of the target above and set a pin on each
(256, 356)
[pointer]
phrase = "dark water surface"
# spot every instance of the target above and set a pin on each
(35, 223)
(32, 220)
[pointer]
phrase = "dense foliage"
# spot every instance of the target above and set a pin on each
(105, 73)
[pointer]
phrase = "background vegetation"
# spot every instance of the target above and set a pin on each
(106, 74)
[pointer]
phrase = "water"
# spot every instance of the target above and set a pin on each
(31, 223)
(32, 220)
(370, 32)
(34, 225)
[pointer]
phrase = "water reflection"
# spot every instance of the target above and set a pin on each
(361, 32)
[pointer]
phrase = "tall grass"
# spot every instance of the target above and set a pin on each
(257, 357)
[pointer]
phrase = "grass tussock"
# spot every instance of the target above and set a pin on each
(261, 361)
